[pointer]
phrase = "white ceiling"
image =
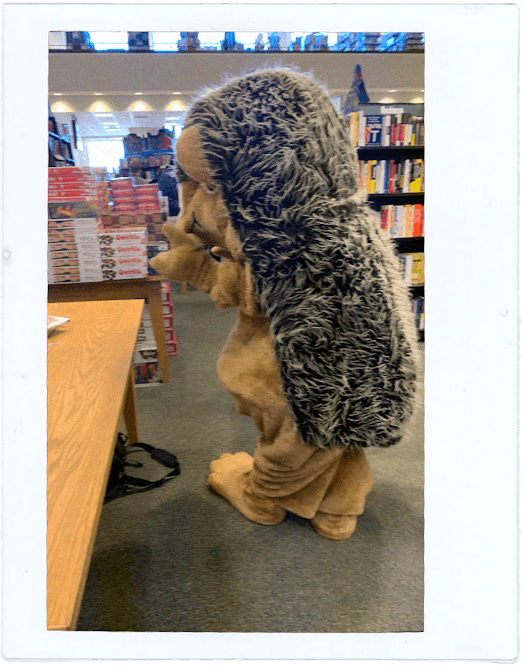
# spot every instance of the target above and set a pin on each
(118, 123)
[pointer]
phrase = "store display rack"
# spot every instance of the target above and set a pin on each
(60, 146)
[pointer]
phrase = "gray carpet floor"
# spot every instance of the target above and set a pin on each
(181, 559)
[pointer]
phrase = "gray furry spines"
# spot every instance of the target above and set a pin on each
(325, 274)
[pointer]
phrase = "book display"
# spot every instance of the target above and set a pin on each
(101, 231)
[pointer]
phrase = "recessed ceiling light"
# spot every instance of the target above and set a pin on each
(98, 94)
(57, 94)
(139, 93)
(394, 90)
(177, 93)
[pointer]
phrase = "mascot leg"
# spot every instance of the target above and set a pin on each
(324, 485)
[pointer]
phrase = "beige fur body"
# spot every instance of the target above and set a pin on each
(284, 474)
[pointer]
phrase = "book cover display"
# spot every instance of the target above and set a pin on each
(394, 129)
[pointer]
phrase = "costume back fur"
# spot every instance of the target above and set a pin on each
(325, 275)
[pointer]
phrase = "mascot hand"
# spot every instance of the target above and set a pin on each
(187, 260)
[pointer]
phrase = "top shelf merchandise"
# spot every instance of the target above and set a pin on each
(60, 148)
(385, 130)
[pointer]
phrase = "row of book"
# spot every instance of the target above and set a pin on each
(403, 221)
(417, 307)
(391, 176)
(387, 129)
(412, 268)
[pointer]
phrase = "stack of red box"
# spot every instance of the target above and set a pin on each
(167, 308)
(124, 195)
(148, 197)
(72, 184)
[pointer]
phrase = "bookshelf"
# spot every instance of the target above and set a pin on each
(405, 245)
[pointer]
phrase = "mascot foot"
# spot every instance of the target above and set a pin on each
(334, 527)
(229, 477)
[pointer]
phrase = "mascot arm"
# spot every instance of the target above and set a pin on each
(228, 283)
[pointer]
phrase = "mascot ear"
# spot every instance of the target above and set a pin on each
(191, 157)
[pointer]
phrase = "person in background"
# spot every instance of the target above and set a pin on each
(138, 174)
(167, 184)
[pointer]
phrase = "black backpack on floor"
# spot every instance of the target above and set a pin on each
(121, 484)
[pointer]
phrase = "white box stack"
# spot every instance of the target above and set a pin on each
(124, 253)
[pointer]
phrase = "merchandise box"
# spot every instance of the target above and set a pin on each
(145, 355)
(62, 263)
(122, 237)
(65, 278)
(88, 259)
(165, 291)
(61, 236)
(135, 249)
(59, 253)
(146, 334)
(128, 273)
(60, 182)
(72, 271)
(146, 320)
(131, 261)
(113, 253)
(68, 171)
(170, 335)
(62, 247)
(147, 374)
(65, 196)
(60, 225)
(66, 186)
(167, 308)
(72, 209)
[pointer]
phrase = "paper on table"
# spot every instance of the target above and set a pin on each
(53, 322)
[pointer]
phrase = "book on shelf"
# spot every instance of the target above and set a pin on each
(417, 307)
(374, 130)
(412, 268)
(385, 129)
(401, 221)
(392, 176)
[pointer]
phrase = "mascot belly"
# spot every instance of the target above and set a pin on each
(323, 355)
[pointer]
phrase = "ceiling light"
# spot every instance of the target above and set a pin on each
(175, 106)
(139, 93)
(98, 94)
(57, 94)
(139, 106)
(394, 90)
(60, 107)
(100, 115)
(100, 108)
(176, 93)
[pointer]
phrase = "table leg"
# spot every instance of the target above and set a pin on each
(130, 407)
(157, 321)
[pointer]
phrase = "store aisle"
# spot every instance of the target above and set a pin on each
(180, 558)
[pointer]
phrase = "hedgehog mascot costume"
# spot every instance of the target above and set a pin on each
(323, 355)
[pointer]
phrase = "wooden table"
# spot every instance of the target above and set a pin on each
(121, 290)
(90, 383)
